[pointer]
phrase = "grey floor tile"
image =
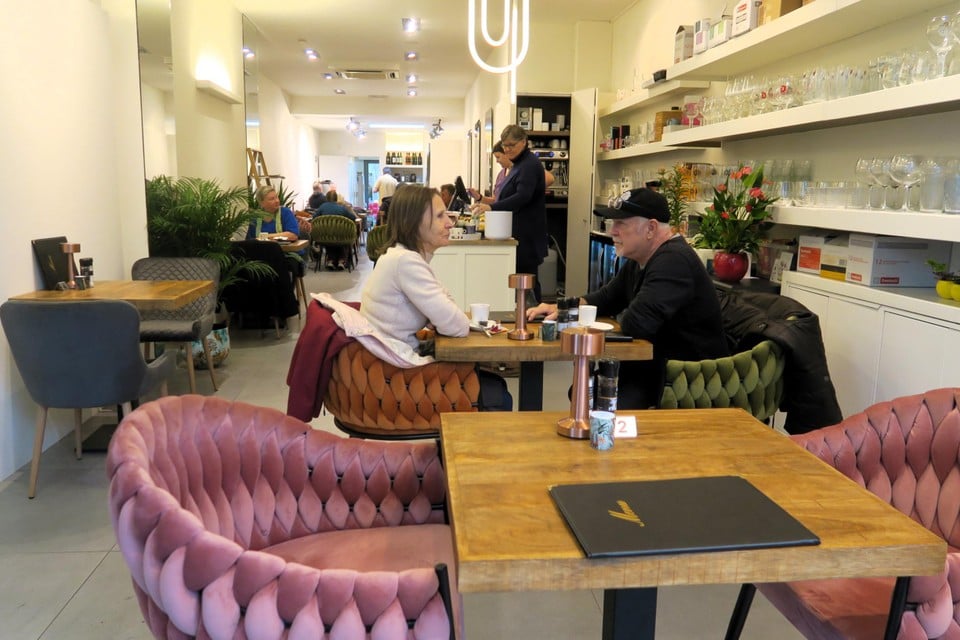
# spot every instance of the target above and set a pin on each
(104, 607)
(538, 615)
(35, 587)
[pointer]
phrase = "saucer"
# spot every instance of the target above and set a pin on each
(602, 326)
(493, 327)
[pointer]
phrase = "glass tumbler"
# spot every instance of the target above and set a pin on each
(931, 185)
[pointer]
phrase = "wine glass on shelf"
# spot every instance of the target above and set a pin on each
(866, 178)
(905, 170)
(940, 36)
(880, 170)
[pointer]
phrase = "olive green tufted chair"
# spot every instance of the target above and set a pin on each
(333, 230)
(751, 380)
(375, 241)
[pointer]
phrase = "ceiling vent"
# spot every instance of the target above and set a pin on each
(368, 74)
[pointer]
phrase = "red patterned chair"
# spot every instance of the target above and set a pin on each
(240, 522)
(907, 452)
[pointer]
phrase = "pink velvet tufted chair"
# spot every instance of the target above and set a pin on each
(238, 521)
(907, 452)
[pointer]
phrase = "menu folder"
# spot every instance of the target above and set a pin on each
(683, 515)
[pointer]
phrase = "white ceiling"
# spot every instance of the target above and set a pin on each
(367, 34)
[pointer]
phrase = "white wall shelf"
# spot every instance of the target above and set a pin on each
(649, 95)
(932, 96)
(911, 224)
(801, 31)
(649, 149)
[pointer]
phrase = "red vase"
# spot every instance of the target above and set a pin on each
(730, 267)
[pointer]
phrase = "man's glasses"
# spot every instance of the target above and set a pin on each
(511, 145)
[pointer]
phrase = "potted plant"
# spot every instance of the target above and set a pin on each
(196, 217)
(676, 185)
(736, 222)
(948, 283)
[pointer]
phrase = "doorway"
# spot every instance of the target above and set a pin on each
(371, 171)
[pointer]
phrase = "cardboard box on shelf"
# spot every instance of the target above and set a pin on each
(833, 257)
(745, 16)
(772, 9)
(683, 43)
(886, 261)
(701, 34)
(810, 250)
(662, 119)
(720, 31)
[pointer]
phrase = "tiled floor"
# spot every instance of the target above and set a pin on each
(61, 576)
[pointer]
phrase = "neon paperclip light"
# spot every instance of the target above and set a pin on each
(514, 19)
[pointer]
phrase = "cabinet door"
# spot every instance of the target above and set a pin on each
(449, 269)
(916, 356)
(851, 337)
(486, 275)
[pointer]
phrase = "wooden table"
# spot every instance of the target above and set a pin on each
(296, 245)
(146, 295)
(531, 354)
(509, 536)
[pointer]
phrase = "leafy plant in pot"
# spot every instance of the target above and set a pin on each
(196, 217)
(676, 185)
(948, 282)
(735, 223)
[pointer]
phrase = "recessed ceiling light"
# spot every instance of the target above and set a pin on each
(248, 53)
(410, 55)
(412, 91)
(328, 76)
(340, 92)
(311, 53)
(411, 78)
(411, 25)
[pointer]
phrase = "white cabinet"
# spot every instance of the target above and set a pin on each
(881, 343)
(477, 271)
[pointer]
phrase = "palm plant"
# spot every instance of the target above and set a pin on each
(196, 217)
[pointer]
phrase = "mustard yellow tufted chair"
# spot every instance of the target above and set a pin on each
(751, 380)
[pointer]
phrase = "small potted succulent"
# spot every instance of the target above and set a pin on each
(948, 282)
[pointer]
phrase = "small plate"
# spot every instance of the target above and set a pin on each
(493, 327)
(602, 326)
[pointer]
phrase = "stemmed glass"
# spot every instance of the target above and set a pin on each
(866, 177)
(880, 170)
(940, 35)
(905, 170)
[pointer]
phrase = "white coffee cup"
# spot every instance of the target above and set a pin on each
(588, 315)
(479, 312)
(456, 233)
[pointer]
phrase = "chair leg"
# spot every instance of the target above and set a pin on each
(40, 427)
(77, 437)
(209, 356)
(125, 409)
(276, 326)
(739, 616)
(190, 373)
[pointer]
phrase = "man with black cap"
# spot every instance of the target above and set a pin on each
(662, 293)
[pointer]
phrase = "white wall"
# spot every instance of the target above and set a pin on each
(159, 133)
(72, 164)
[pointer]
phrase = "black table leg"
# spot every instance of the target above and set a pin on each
(629, 614)
(897, 605)
(531, 386)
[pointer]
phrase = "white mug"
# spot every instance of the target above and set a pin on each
(479, 312)
(588, 315)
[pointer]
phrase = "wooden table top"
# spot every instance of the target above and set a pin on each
(509, 536)
(164, 295)
(477, 347)
(298, 245)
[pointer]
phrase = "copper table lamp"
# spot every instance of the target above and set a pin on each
(584, 343)
(521, 282)
(70, 248)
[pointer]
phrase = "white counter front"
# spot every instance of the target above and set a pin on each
(477, 271)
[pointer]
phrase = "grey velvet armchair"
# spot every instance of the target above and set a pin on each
(74, 355)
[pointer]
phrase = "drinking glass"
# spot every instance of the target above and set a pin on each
(905, 170)
(940, 36)
(866, 177)
(931, 188)
(880, 170)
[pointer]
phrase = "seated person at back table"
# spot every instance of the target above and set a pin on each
(316, 198)
(448, 193)
(276, 221)
(662, 292)
(336, 256)
(403, 295)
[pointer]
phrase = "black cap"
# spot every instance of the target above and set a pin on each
(637, 202)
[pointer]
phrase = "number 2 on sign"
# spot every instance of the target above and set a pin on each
(625, 427)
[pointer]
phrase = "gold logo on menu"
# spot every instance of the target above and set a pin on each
(626, 513)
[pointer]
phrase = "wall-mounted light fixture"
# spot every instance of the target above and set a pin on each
(516, 30)
(352, 125)
(437, 130)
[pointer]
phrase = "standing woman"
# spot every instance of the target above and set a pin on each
(274, 220)
(524, 193)
(403, 294)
